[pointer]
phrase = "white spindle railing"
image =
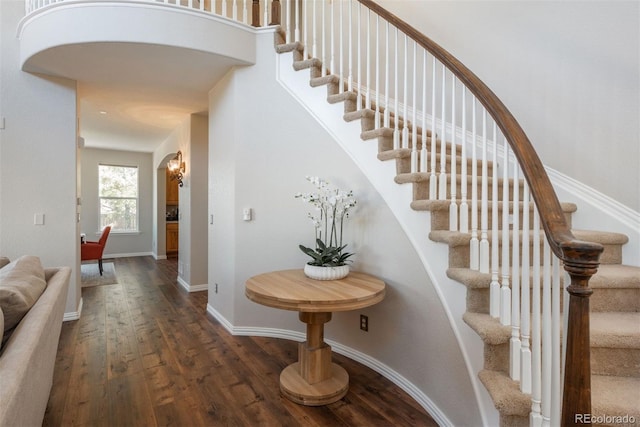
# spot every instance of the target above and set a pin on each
(408, 88)
(386, 65)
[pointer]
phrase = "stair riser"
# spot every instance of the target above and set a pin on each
(459, 255)
(421, 189)
(403, 165)
(604, 361)
(385, 143)
(602, 300)
(623, 362)
(440, 219)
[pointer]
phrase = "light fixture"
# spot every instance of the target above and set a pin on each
(176, 167)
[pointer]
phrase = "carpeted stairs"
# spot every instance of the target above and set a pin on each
(615, 303)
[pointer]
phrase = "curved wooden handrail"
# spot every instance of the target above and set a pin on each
(580, 259)
(552, 218)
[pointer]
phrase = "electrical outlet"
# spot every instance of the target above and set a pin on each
(364, 322)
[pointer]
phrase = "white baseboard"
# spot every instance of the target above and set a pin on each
(346, 351)
(192, 288)
(73, 315)
(127, 255)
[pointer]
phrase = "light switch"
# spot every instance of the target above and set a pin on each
(38, 219)
(246, 214)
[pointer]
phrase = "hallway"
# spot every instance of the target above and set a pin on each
(146, 353)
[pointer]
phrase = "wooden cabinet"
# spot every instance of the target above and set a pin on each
(172, 238)
(172, 190)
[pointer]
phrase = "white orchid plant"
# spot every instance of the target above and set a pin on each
(331, 206)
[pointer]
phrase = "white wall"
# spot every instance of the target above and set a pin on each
(38, 160)
(198, 158)
(118, 244)
(262, 144)
(567, 70)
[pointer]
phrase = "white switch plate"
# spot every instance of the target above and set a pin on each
(38, 219)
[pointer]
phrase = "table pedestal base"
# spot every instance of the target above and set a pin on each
(297, 389)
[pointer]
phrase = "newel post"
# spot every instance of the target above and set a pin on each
(581, 261)
(255, 13)
(275, 12)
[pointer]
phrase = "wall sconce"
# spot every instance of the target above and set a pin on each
(176, 167)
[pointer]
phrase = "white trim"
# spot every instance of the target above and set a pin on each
(127, 255)
(192, 288)
(73, 315)
(355, 355)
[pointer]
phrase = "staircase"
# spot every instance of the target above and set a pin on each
(615, 304)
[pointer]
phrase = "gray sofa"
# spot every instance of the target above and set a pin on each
(28, 356)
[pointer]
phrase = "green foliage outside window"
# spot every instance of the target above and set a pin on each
(118, 192)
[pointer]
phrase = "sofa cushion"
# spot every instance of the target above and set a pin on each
(21, 284)
(4, 261)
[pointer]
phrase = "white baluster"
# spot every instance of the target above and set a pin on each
(266, 13)
(464, 206)
(453, 206)
(350, 52)
(323, 8)
(484, 202)
(305, 26)
(494, 287)
(515, 343)
(505, 290)
(535, 418)
(234, 10)
(224, 9)
(332, 39)
(296, 20)
(378, 106)
(414, 143)
(525, 307)
(546, 335)
(359, 65)
(405, 98)
(433, 180)
(341, 47)
(442, 179)
(423, 150)
(556, 319)
(387, 113)
(474, 248)
(314, 31)
(368, 61)
(245, 16)
(396, 131)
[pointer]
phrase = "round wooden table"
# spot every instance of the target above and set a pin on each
(314, 380)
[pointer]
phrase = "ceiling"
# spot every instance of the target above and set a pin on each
(131, 96)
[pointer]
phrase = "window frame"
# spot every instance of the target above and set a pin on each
(136, 198)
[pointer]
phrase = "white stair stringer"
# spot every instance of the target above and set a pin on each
(415, 224)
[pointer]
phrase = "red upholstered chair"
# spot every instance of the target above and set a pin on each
(93, 250)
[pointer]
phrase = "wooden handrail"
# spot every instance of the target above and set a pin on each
(581, 259)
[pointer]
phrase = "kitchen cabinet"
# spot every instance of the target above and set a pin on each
(172, 238)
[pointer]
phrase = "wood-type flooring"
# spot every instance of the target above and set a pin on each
(146, 353)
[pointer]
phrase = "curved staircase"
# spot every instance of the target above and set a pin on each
(615, 304)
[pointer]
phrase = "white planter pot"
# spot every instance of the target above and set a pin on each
(326, 273)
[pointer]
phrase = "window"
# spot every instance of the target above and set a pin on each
(118, 192)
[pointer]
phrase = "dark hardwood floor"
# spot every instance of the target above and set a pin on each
(146, 353)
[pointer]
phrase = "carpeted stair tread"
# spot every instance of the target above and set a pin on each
(615, 396)
(609, 330)
(488, 328)
(615, 329)
(602, 237)
(609, 276)
(505, 392)
(307, 63)
(289, 47)
(341, 97)
(376, 133)
(363, 113)
(443, 205)
(324, 80)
